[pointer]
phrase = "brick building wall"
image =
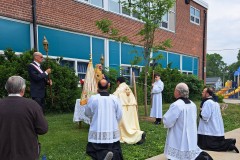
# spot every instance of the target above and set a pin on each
(79, 17)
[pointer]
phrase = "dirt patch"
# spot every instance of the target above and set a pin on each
(149, 119)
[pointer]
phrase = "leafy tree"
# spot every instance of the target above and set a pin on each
(233, 67)
(238, 56)
(150, 12)
(215, 65)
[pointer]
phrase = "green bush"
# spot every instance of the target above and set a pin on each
(170, 78)
(65, 89)
(220, 98)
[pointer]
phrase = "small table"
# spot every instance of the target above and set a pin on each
(79, 113)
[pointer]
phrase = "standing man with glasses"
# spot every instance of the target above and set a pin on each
(38, 79)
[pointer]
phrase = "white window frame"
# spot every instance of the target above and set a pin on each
(90, 3)
(194, 15)
(130, 72)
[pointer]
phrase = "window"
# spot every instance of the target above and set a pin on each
(194, 15)
(67, 63)
(165, 21)
(169, 19)
(187, 72)
(82, 69)
(127, 73)
(114, 6)
(98, 3)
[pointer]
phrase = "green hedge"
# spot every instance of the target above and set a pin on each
(65, 88)
(170, 78)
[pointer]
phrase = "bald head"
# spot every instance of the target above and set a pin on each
(103, 84)
(38, 57)
(182, 90)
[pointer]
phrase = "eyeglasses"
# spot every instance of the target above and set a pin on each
(40, 56)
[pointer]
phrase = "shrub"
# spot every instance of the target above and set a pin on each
(65, 89)
(170, 78)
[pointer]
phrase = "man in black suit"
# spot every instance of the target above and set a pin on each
(21, 121)
(38, 79)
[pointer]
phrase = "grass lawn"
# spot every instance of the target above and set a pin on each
(66, 141)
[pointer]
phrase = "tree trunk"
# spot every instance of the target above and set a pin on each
(145, 90)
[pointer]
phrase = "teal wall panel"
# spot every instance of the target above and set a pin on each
(114, 55)
(174, 59)
(64, 44)
(97, 50)
(187, 63)
(14, 35)
(195, 66)
(163, 60)
(128, 52)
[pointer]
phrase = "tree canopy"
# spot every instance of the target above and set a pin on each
(215, 65)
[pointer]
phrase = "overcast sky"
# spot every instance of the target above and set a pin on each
(223, 34)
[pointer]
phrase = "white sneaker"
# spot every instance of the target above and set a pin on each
(109, 156)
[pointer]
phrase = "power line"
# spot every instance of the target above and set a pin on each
(229, 49)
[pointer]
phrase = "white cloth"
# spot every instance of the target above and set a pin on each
(211, 122)
(106, 112)
(181, 141)
(156, 110)
(79, 113)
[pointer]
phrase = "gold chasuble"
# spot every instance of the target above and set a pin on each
(129, 125)
(90, 85)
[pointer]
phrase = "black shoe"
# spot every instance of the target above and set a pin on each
(233, 147)
(143, 139)
(233, 141)
(157, 123)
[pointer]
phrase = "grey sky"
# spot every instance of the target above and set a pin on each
(223, 34)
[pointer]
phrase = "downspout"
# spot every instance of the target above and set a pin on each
(34, 20)
(204, 45)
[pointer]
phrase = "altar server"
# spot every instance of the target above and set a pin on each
(211, 128)
(181, 121)
(105, 110)
(156, 94)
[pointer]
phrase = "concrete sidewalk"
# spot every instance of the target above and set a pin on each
(218, 155)
(232, 101)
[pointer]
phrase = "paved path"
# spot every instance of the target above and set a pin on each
(232, 101)
(217, 155)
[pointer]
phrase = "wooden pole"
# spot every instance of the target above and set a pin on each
(45, 46)
(134, 88)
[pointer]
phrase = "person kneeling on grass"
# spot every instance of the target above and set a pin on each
(211, 128)
(103, 137)
(181, 121)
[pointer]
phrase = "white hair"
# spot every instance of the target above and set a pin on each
(15, 84)
(183, 89)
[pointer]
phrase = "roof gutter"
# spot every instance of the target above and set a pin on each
(34, 20)
(204, 45)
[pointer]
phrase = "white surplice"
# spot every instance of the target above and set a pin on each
(156, 110)
(181, 121)
(211, 122)
(106, 112)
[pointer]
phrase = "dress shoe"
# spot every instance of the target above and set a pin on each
(143, 139)
(109, 156)
(157, 123)
(233, 147)
(233, 141)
